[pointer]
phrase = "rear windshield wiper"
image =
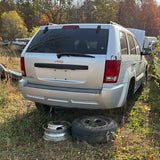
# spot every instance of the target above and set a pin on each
(59, 55)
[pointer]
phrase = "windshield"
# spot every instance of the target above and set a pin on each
(75, 41)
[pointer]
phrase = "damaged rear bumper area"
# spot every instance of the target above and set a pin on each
(75, 98)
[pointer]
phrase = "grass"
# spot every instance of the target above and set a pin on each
(10, 58)
(21, 129)
(157, 66)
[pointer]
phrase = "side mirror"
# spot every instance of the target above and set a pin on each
(146, 52)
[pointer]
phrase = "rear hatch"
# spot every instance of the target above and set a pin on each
(67, 56)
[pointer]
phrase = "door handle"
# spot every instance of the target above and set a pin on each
(133, 63)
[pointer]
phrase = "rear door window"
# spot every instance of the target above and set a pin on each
(81, 41)
(131, 44)
(123, 43)
(138, 51)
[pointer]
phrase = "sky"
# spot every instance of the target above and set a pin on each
(158, 2)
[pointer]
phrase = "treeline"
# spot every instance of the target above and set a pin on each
(142, 14)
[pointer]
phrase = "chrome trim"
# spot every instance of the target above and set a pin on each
(88, 103)
(57, 100)
(62, 81)
(57, 131)
(30, 96)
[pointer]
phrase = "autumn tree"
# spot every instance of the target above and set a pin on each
(104, 11)
(148, 18)
(13, 26)
(87, 9)
(52, 10)
(29, 11)
(128, 11)
(142, 14)
(6, 6)
(34, 30)
(69, 15)
(44, 20)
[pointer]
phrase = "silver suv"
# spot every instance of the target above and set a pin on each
(89, 66)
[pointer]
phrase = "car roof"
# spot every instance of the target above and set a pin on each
(87, 26)
(84, 25)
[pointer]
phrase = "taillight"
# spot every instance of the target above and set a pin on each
(71, 27)
(112, 71)
(23, 67)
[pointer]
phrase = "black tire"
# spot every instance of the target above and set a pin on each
(124, 107)
(42, 107)
(131, 88)
(94, 129)
(129, 96)
(3, 76)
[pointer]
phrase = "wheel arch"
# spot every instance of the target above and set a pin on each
(131, 86)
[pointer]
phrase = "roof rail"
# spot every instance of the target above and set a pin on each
(51, 24)
(111, 22)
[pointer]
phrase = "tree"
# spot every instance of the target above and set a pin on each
(148, 18)
(29, 11)
(44, 20)
(88, 8)
(5, 6)
(34, 30)
(13, 26)
(105, 10)
(127, 13)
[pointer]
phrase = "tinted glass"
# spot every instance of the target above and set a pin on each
(83, 41)
(132, 45)
(138, 51)
(123, 43)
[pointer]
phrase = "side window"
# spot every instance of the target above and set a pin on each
(131, 44)
(123, 43)
(138, 51)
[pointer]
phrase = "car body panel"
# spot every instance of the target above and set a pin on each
(80, 99)
(92, 77)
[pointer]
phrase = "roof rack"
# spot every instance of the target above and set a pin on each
(111, 22)
(51, 24)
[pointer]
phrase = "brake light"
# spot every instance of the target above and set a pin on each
(71, 27)
(112, 69)
(23, 67)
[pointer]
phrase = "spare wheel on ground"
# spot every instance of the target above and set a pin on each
(94, 129)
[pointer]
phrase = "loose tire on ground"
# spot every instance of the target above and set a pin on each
(57, 130)
(94, 129)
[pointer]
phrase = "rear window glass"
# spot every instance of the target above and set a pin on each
(132, 45)
(85, 41)
(123, 43)
(137, 47)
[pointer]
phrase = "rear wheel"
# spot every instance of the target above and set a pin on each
(123, 108)
(144, 83)
(42, 107)
(129, 95)
(131, 88)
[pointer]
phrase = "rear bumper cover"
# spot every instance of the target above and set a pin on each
(109, 97)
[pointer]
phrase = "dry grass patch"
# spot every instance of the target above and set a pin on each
(10, 58)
